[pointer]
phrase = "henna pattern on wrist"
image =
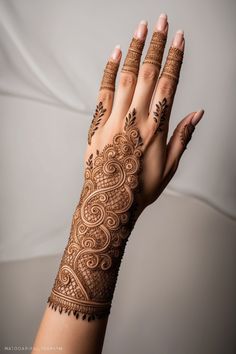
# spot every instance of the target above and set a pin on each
(160, 115)
(101, 224)
(132, 60)
(173, 64)
(99, 112)
(156, 49)
(186, 134)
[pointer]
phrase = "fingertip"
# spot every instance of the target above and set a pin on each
(178, 41)
(162, 23)
(142, 30)
(116, 54)
(197, 117)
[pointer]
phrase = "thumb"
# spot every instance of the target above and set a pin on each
(179, 141)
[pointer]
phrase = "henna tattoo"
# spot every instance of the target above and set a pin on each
(160, 115)
(173, 64)
(109, 76)
(186, 134)
(156, 49)
(100, 228)
(89, 162)
(132, 60)
(99, 112)
(129, 121)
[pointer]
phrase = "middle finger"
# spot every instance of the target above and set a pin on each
(128, 76)
(150, 68)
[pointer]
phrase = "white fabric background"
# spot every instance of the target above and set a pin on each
(52, 54)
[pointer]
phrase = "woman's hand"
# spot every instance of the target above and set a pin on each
(146, 98)
(128, 164)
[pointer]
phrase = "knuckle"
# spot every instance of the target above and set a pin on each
(166, 87)
(105, 95)
(127, 79)
(148, 73)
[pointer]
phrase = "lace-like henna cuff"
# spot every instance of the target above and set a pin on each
(101, 224)
(156, 49)
(132, 60)
(173, 64)
(109, 76)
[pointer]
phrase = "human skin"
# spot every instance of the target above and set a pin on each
(143, 94)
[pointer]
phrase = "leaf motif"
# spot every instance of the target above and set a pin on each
(161, 110)
(130, 119)
(97, 116)
(89, 162)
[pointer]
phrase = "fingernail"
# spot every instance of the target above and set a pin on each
(116, 53)
(161, 22)
(178, 39)
(141, 30)
(197, 117)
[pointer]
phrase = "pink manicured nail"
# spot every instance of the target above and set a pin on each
(116, 53)
(162, 22)
(178, 39)
(141, 31)
(197, 117)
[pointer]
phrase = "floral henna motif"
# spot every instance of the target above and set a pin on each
(100, 227)
(186, 134)
(99, 112)
(160, 114)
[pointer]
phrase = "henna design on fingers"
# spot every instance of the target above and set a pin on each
(109, 76)
(101, 224)
(99, 112)
(132, 60)
(173, 64)
(156, 49)
(129, 121)
(186, 134)
(160, 115)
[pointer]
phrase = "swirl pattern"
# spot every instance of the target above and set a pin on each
(101, 224)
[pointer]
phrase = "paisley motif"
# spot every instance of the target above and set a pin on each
(101, 224)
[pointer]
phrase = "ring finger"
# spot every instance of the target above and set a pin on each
(166, 88)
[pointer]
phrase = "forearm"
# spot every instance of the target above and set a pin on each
(65, 334)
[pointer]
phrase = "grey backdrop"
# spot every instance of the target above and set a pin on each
(176, 288)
